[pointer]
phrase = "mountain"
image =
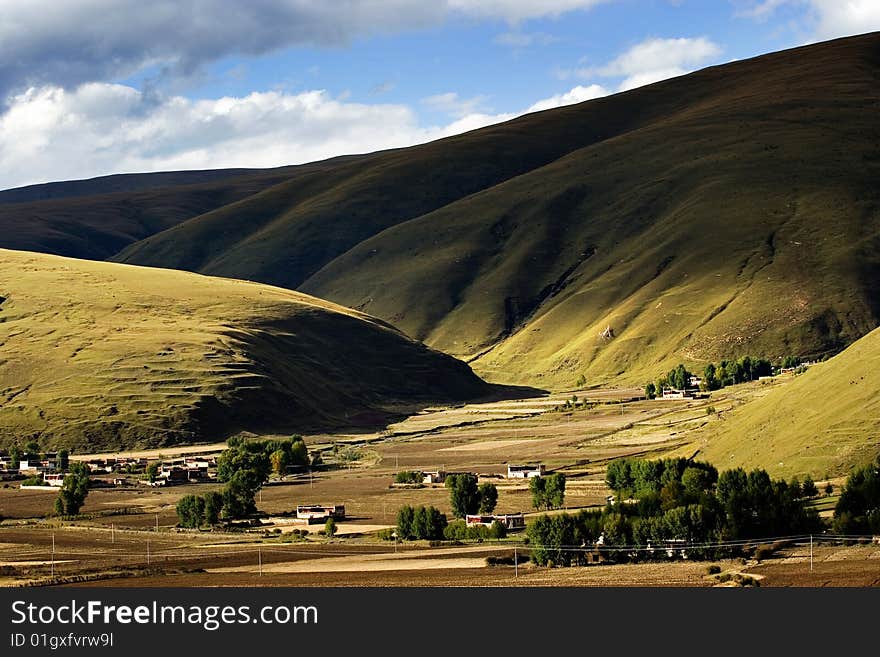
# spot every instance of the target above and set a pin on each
(822, 423)
(109, 356)
(97, 218)
(730, 211)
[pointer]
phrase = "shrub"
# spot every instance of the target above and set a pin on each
(386, 534)
(409, 477)
(33, 481)
(714, 569)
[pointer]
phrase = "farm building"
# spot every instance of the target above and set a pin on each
(320, 512)
(53, 479)
(433, 477)
(525, 471)
(511, 521)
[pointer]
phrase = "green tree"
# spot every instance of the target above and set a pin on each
(63, 459)
(554, 491)
(809, 487)
(330, 528)
(858, 509)
(191, 511)
(14, 457)
(405, 517)
(213, 507)
(581, 381)
(464, 497)
(651, 391)
(488, 493)
(829, 488)
(74, 490)
(278, 460)
(710, 379)
(538, 489)
(152, 471)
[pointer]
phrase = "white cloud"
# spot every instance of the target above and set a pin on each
(577, 95)
(453, 104)
(824, 19)
(653, 60)
(50, 133)
(649, 61)
(837, 18)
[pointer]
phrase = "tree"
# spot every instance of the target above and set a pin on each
(14, 457)
(809, 487)
(581, 381)
(829, 488)
(152, 471)
(548, 492)
(710, 379)
(488, 497)
(464, 497)
(63, 459)
(191, 511)
(32, 449)
(213, 507)
(651, 391)
(278, 459)
(405, 516)
(538, 489)
(330, 528)
(858, 509)
(73, 491)
(555, 491)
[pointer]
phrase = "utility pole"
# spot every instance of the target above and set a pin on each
(260, 557)
(811, 553)
(53, 555)
(148, 552)
(515, 564)
(157, 522)
(112, 533)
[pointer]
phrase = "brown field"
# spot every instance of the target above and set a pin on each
(120, 525)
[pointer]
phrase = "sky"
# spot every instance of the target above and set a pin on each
(95, 87)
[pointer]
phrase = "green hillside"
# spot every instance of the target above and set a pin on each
(731, 211)
(823, 422)
(107, 356)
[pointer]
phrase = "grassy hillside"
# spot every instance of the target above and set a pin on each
(731, 211)
(102, 355)
(823, 422)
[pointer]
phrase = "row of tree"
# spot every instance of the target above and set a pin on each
(674, 500)
(420, 523)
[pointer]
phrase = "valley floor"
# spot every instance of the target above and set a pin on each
(121, 527)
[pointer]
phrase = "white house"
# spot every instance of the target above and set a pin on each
(525, 471)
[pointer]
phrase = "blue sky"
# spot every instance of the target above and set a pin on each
(107, 86)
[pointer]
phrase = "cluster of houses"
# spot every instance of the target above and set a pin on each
(690, 391)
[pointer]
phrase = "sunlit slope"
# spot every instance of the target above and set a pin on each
(824, 422)
(747, 221)
(105, 356)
